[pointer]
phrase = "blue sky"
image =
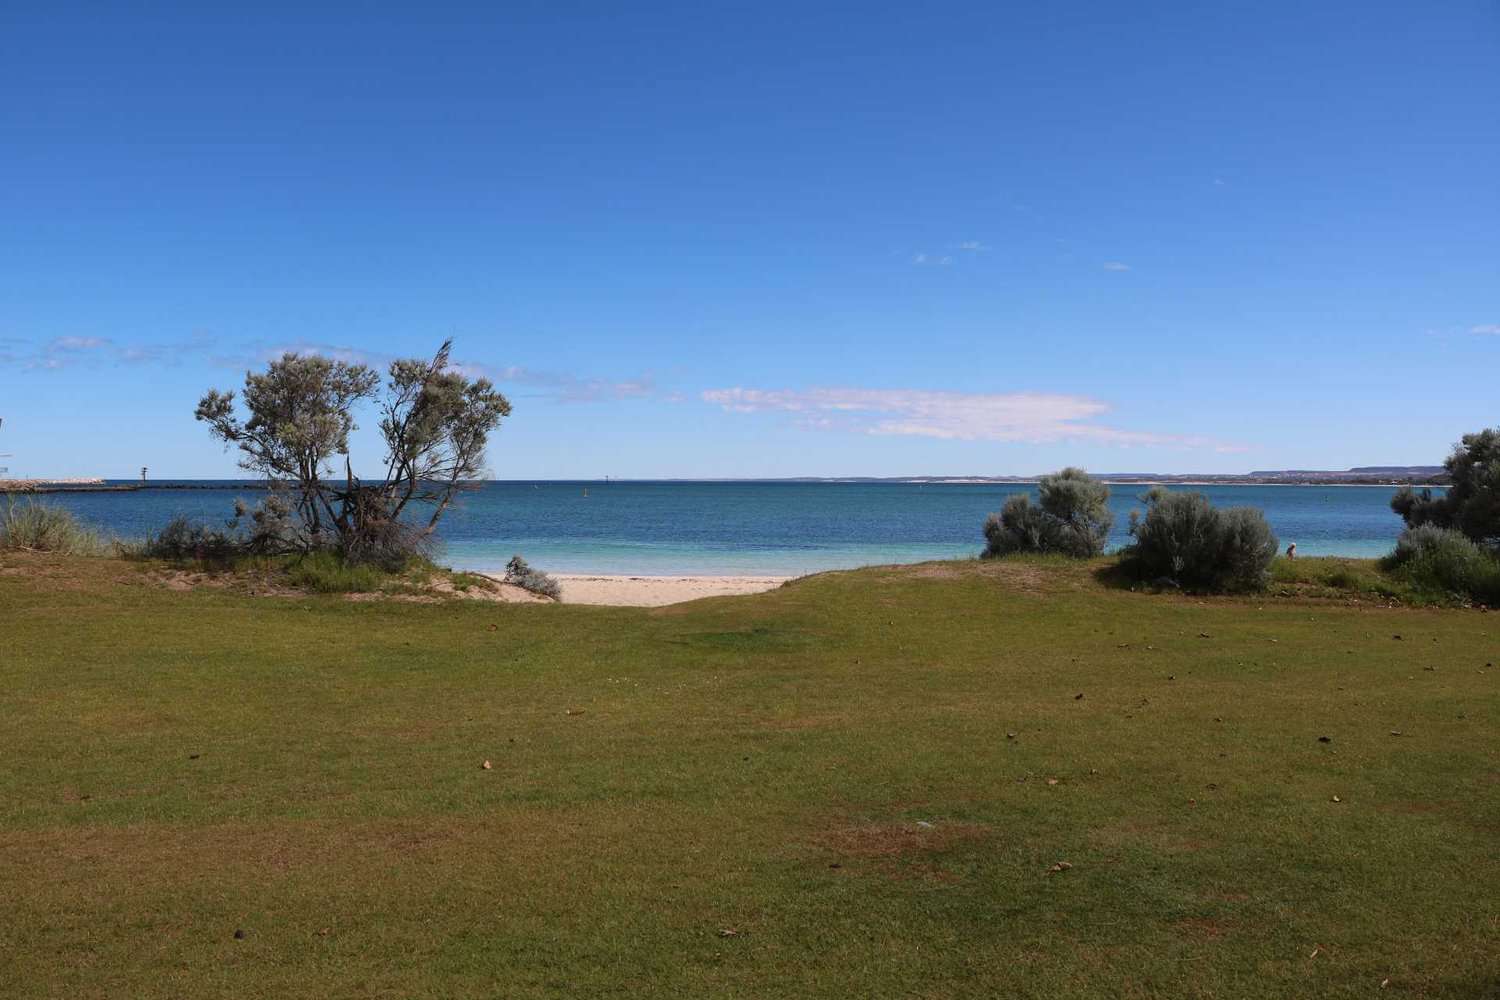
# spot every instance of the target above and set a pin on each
(765, 239)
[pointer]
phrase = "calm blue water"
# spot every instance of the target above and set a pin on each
(767, 529)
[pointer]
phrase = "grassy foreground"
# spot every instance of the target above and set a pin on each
(809, 793)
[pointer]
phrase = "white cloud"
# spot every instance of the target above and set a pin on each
(973, 246)
(1114, 265)
(920, 258)
(1024, 416)
(1492, 329)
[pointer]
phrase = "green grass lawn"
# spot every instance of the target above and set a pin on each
(860, 785)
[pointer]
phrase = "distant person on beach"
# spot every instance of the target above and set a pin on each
(1291, 551)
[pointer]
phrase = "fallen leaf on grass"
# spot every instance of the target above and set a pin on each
(1051, 781)
(487, 766)
(1337, 799)
(1061, 866)
(728, 932)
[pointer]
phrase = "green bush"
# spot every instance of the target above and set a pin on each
(1072, 517)
(1185, 540)
(523, 575)
(1435, 559)
(42, 527)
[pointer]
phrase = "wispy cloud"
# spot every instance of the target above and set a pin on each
(1490, 329)
(70, 344)
(973, 246)
(57, 353)
(562, 386)
(1114, 265)
(66, 352)
(1019, 417)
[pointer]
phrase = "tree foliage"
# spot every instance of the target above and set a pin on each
(1071, 517)
(1472, 503)
(1185, 539)
(297, 417)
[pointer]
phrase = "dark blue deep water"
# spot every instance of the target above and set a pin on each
(755, 528)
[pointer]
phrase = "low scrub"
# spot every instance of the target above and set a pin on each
(184, 539)
(255, 552)
(1185, 541)
(40, 527)
(527, 577)
(1444, 561)
(1072, 517)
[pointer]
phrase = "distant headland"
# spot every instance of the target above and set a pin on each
(1365, 475)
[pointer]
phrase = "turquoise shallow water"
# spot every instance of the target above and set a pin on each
(758, 528)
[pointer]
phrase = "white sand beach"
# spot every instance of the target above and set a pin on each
(655, 591)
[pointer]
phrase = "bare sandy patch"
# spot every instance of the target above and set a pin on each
(658, 591)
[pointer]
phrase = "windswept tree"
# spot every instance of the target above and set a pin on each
(300, 412)
(434, 419)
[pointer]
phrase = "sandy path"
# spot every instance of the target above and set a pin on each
(655, 591)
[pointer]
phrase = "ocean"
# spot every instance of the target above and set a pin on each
(760, 528)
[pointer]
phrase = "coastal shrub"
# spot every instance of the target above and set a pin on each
(1472, 503)
(184, 539)
(1017, 527)
(1247, 547)
(40, 527)
(1185, 540)
(1072, 517)
(268, 526)
(1435, 559)
(527, 577)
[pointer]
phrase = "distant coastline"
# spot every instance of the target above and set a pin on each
(1375, 475)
